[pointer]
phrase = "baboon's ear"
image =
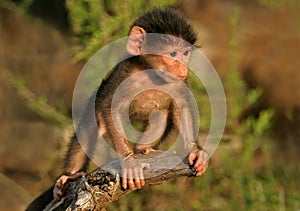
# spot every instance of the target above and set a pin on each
(136, 41)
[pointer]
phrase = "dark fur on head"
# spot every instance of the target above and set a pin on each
(167, 21)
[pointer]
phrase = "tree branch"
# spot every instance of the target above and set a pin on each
(97, 190)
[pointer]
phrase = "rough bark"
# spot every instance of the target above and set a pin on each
(98, 189)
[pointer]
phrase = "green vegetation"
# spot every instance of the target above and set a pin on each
(97, 24)
(277, 3)
(37, 103)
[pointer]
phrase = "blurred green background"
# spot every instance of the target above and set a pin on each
(254, 46)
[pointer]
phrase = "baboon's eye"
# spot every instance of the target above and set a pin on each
(186, 53)
(173, 53)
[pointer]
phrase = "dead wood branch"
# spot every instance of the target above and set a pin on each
(98, 189)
